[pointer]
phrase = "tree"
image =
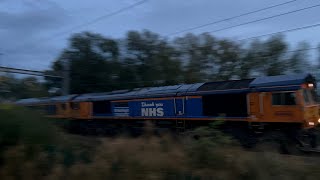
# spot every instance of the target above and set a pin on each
(272, 60)
(144, 59)
(196, 55)
(264, 58)
(207, 58)
(93, 63)
(151, 59)
(298, 61)
(227, 60)
(19, 88)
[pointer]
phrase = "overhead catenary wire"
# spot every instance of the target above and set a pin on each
(306, 49)
(289, 30)
(273, 33)
(33, 72)
(27, 72)
(93, 21)
(230, 18)
(283, 31)
(269, 34)
(70, 30)
(266, 18)
(289, 51)
(18, 69)
(101, 17)
(158, 80)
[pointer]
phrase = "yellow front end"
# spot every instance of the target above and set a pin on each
(311, 116)
(310, 106)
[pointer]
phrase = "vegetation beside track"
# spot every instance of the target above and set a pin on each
(33, 148)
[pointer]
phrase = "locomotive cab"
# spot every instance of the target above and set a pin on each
(310, 105)
(284, 99)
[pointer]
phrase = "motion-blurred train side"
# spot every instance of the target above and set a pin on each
(285, 100)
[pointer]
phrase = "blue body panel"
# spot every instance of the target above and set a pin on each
(152, 108)
(194, 107)
(159, 108)
(120, 109)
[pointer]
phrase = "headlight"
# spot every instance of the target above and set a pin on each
(311, 123)
(319, 120)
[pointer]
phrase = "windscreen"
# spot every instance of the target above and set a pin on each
(310, 96)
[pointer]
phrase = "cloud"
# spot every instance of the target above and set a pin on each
(25, 24)
(29, 19)
(22, 27)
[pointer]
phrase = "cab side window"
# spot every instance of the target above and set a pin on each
(310, 96)
(75, 106)
(51, 109)
(63, 106)
(284, 98)
(306, 97)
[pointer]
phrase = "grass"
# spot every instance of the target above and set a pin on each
(32, 148)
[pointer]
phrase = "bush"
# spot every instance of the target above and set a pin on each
(20, 125)
(34, 149)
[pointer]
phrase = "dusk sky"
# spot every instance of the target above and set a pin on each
(34, 32)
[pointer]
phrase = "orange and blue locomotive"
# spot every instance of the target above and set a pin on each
(279, 101)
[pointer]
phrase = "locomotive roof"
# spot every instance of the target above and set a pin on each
(282, 80)
(232, 86)
(27, 101)
(45, 100)
(140, 93)
(33, 101)
(62, 98)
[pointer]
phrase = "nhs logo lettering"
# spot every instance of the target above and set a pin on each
(151, 109)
